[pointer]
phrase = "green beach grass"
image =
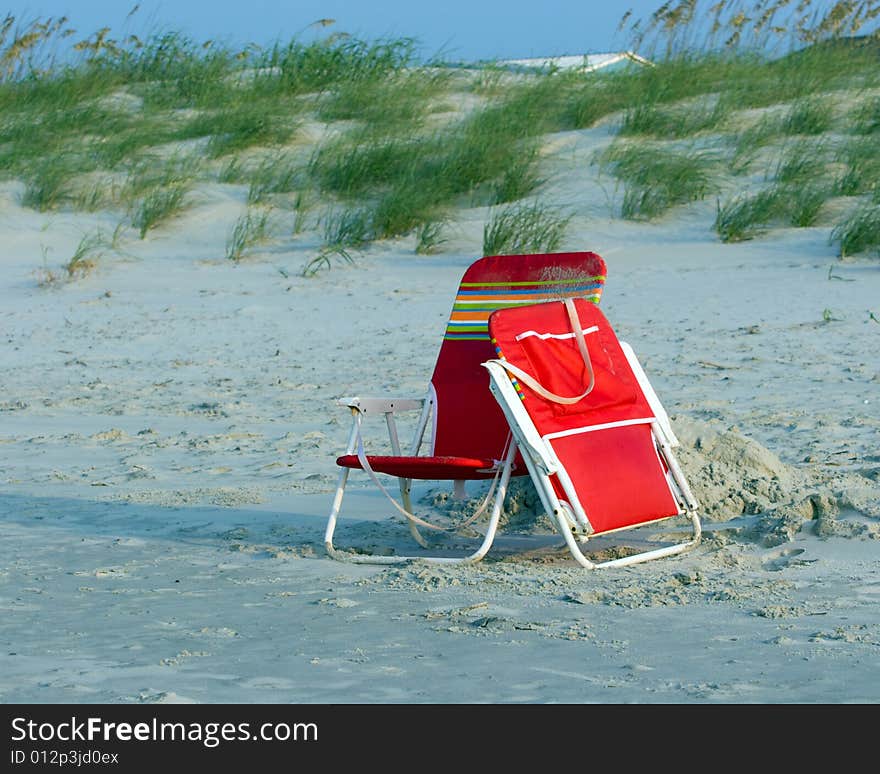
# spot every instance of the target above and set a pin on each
(780, 94)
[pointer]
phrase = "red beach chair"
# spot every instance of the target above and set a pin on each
(592, 432)
(469, 437)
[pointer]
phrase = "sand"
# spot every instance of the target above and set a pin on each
(168, 430)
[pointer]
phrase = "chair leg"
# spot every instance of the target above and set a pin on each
(346, 556)
(407, 504)
(340, 493)
(404, 483)
(644, 556)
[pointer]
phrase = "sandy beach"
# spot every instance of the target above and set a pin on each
(169, 427)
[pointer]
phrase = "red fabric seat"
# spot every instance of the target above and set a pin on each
(603, 441)
(426, 468)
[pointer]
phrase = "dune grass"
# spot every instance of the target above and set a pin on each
(808, 115)
(521, 178)
(278, 173)
(657, 179)
(157, 205)
(344, 230)
(747, 216)
(402, 99)
(860, 232)
(348, 228)
(524, 228)
(81, 130)
(861, 157)
(91, 247)
(89, 250)
(45, 183)
(803, 180)
(488, 156)
(800, 162)
(430, 237)
(354, 164)
(674, 122)
(805, 204)
(324, 259)
(156, 189)
(866, 118)
(250, 230)
(301, 205)
(64, 118)
(241, 127)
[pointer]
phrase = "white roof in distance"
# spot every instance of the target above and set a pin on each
(585, 62)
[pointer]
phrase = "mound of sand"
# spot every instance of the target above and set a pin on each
(731, 476)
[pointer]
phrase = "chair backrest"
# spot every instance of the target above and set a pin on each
(467, 419)
(604, 440)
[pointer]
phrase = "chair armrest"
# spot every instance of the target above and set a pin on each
(387, 407)
(383, 405)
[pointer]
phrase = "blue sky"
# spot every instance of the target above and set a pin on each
(456, 29)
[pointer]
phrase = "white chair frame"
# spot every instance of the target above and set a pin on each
(542, 463)
(361, 407)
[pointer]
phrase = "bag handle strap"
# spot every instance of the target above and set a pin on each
(535, 385)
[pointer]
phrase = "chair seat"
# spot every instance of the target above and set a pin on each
(426, 468)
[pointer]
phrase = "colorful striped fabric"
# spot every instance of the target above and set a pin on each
(513, 379)
(475, 301)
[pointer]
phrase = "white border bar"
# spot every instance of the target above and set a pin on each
(590, 428)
